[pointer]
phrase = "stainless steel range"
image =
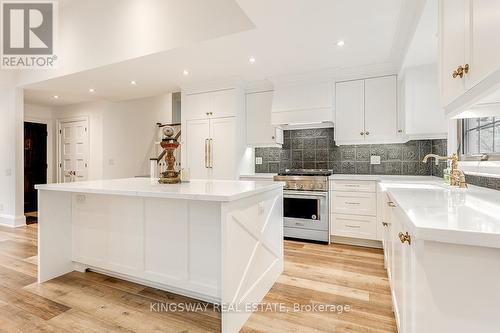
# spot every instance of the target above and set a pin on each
(306, 204)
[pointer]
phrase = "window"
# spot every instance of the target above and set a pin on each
(480, 136)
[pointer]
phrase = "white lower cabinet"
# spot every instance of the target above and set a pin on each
(437, 286)
(356, 226)
(353, 207)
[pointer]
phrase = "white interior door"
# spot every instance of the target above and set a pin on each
(223, 148)
(197, 141)
(350, 111)
(74, 150)
(381, 107)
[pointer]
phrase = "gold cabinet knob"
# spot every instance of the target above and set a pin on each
(367, 133)
(362, 133)
(460, 71)
(405, 237)
(385, 224)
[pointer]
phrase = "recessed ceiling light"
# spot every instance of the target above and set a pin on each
(340, 43)
(55, 96)
(133, 83)
(185, 72)
(91, 90)
(251, 60)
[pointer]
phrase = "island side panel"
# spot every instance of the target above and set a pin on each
(54, 234)
(252, 253)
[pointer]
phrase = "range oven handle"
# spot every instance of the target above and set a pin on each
(303, 194)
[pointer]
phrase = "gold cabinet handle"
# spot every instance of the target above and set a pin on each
(210, 150)
(385, 224)
(206, 154)
(391, 204)
(460, 71)
(367, 133)
(405, 237)
(362, 133)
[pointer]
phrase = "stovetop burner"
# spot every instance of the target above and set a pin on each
(306, 172)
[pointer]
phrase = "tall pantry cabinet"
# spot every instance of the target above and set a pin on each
(213, 144)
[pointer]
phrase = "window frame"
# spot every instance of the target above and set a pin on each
(463, 156)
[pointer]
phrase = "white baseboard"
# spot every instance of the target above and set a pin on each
(356, 241)
(12, 221)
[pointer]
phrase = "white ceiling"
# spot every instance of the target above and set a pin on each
(424, 46)
(291, 36)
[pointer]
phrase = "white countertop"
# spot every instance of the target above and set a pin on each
(438, 212)
(208, 190)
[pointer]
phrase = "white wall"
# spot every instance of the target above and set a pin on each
(122, 134)
(11, 156)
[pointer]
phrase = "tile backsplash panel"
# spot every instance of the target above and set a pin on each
(315, 148)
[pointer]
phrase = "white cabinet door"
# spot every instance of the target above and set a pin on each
(381, 108)
(260, 131)
(223, 103)
(223, 148)
(196, 106)
(453, 32)
(484, 47)
(350, 111)
(197, 141)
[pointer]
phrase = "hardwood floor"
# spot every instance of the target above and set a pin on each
(350, 277)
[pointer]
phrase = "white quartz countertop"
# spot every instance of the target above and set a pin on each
(208, 190)
(439, 212)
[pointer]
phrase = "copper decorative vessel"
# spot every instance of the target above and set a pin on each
(169, 143)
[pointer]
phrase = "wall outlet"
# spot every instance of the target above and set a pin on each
(8, 172)
(374, 159)
(258, 160)
(111, 161)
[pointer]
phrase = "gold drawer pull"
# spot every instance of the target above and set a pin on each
(352, 203)
(352, 226)
(405, 237)
(385, 224)
(391, 204)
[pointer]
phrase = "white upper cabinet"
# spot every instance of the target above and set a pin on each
(453, 26)
(302, 103)
(420, 108)
(350, 110)
(260, 131)
(366, 111)
(469, 53)
(221, 103)
(381, 108)
(484, 46)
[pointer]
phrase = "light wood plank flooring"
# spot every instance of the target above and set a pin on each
(90, 302)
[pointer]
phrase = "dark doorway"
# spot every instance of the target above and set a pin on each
(35, 163)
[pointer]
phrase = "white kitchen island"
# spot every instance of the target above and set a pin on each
(217, 241)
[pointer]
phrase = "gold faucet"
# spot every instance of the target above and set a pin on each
(457, 176)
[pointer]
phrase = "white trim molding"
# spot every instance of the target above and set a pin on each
(12, 221)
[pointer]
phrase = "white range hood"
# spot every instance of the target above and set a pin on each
(303, 105)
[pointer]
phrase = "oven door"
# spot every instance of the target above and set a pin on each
(308, 210)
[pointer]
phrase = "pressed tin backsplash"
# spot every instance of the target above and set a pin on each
(315, 148)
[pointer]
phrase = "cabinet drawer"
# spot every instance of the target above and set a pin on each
(358, 203)
(354, 226)
(353, 186)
